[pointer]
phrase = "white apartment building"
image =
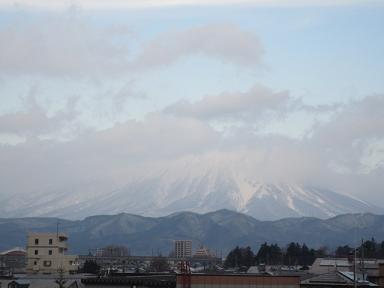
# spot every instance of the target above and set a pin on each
(46, 254)
(183, 248)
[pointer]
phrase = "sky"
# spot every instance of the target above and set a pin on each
(95, 92)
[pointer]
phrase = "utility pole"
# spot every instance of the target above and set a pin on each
(362, 258)
(354, 270)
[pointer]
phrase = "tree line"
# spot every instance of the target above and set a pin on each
(367, 249)
(297, 254)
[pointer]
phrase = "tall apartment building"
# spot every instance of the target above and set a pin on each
(46, 254)
(183, 248)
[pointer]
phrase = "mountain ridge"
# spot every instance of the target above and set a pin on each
(219, 230)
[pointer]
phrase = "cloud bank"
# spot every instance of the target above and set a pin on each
(335, 154)
(68, 46)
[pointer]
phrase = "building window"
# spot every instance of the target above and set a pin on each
(36, 241)
(36, 252)
(47, 263)
(35, 263)
(50, 241)
(50, 252)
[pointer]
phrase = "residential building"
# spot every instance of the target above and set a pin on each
(43, 281)
(113, 251)
(202, 252)
(183, 248)
(337, 279)
(12, 261)
(369, 267)
(46, 254)
(380, 278)
(324, 265)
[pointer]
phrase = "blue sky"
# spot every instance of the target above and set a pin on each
(242, 77)
(300, 45)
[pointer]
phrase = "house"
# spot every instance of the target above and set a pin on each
(373, 269)
(336, 279)
(43, 281)
(13, 261)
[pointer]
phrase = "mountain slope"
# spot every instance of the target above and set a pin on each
(220, 230)
(204, 191)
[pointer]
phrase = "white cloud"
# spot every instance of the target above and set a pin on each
(350, 132)
(255, 104)
(60, 45)
(226, 42)
(256, 108)
(107, 157)
(69, 46)
(34, 120)
(373, 156)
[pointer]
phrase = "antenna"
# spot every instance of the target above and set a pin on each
(57, 228)
(354, 257)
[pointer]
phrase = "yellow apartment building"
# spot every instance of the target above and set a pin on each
(46, 254)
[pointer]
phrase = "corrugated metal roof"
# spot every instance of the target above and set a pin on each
(15, 249)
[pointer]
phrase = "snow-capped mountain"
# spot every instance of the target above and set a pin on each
(264, 201)
(208, 190)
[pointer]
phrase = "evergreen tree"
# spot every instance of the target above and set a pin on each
(381, 250)
(269, 254)
(159, 264)
(239, 257)
(276, 254)
(90, 266)
(369, 248)
(247, 257)
(232, 258)
(304, 259)
(343, 251)
(262, 254)
(293, 253)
